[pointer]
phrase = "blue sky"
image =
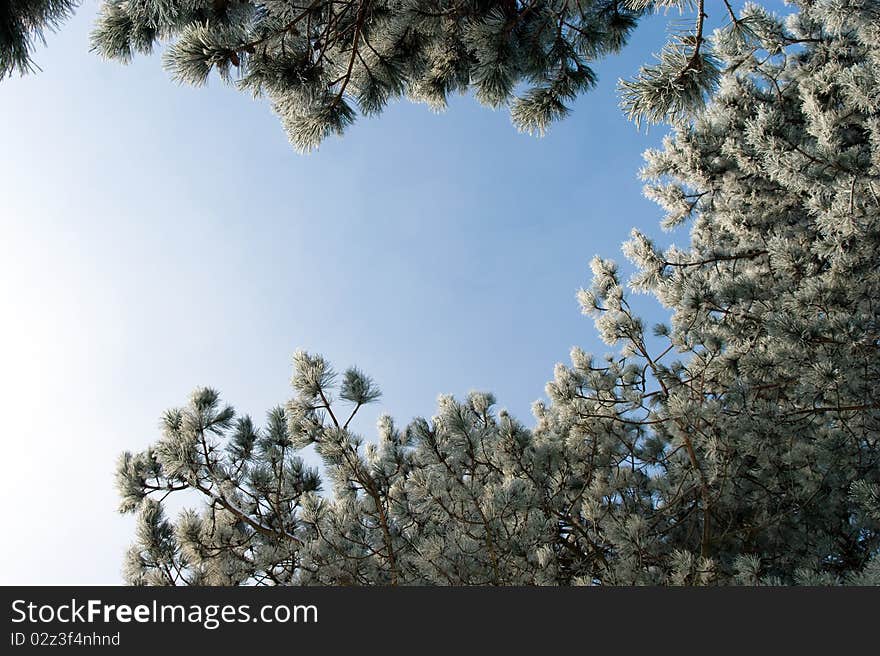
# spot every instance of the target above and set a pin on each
(157, 237)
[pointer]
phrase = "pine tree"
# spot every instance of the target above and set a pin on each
(21, 23)
(321, 62)
(740, 444)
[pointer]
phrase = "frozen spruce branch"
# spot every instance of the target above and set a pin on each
(22, 24)
(739, 444)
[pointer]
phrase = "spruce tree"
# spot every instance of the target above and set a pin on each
(739, 444)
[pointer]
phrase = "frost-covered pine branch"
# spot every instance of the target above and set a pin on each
(737, 444)
(321, 63)
(22, 23)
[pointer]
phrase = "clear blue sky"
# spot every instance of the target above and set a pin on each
(157, 237)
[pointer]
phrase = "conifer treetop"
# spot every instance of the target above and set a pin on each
(737, 444)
